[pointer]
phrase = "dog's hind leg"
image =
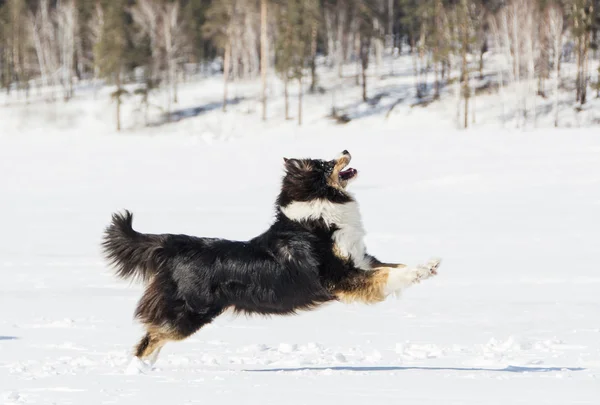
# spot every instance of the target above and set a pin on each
(148, 349)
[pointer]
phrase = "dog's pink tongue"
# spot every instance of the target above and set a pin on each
(348, 174)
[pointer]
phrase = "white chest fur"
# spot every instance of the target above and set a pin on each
(348, 238)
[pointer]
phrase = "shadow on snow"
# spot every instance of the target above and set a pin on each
(509, 369)
(191, 112)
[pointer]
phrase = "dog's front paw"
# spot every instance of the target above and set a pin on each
(425, 271)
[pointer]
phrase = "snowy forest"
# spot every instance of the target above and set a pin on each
(48, 47)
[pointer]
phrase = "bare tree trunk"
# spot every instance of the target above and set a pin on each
(555, 26)
(378, 45)
(341, 20)
(358, 59)
(365, 47)
(226, 64)
(175, 80)
(584, 81)
(464, 26)
(481, 52)
(39, 50)
(474, 106)
(264, 58)
(391, 33)
(466, 97)
(436, 94)
(66, 15)
(530, 48)
(313, 59)
(516, 38)
(300, 100)
(286, 96)
(364, 84)
(329, 29)
(579, 74)
(415, 56)
(118, 100)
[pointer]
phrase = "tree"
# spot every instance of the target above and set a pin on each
(293, 47)
(555, 21)
(516, 31)
(220, 17)
(67, 27)
(464, 21)
(368, 19)
(597, 84)
(146, 15)
(173, 42)
(284, 51)
(307, 17)
(582, 19)
(264, 55)
(195, 17)
(111, 54)
(84, 38)
(231, 25)
(44, 39)
(16, 44)
(53, 31)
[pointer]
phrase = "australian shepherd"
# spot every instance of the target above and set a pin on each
(313, 253)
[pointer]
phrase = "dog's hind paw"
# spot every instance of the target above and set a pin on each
(138, 366)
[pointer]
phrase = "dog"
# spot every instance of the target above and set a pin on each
(313, 253)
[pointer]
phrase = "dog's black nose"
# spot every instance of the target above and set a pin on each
(345, 152)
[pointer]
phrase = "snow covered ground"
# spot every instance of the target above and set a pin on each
(512, 318)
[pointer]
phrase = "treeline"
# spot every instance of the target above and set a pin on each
(55, 43)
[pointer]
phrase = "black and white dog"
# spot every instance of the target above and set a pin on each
(312, 254)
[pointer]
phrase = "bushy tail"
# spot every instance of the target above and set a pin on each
(133, 254)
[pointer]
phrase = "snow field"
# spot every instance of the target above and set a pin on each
(513, 316)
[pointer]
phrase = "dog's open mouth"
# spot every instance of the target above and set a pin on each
(347, 174)
(344, 173)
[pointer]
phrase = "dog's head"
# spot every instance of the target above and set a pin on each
(313, 179)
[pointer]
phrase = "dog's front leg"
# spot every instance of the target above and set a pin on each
(401, 276)
(371, 286)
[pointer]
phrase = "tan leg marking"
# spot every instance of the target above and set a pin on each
(366, 286)
(154, 340)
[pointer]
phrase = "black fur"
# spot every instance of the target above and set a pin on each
(191, 280)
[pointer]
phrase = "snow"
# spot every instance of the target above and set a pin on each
(513, 316)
